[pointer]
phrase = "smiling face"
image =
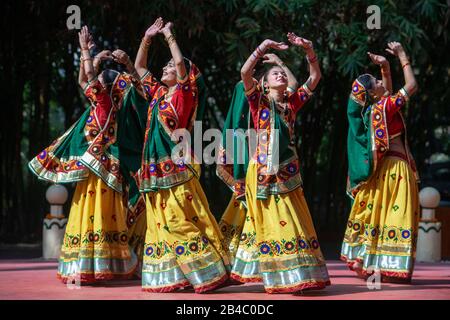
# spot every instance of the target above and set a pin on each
(169, 76)
(276, 78)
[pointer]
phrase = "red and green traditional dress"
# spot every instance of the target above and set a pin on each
(278, 244)
(382, 228)
(183, 244)
(101, 152)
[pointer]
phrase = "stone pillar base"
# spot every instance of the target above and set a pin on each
(429, 242)
(53, 236)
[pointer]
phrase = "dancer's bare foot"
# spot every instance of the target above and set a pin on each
(358, 268)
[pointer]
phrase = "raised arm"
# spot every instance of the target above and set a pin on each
(271, 58)
(86, 60)
(249, 65)
(314, 68)
(140, 63)
(82, 79)
(121, 57)
(396, 49)
(174, 50)
(385, 70)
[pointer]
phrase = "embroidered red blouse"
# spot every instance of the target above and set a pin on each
(394, 104)
(183, 99)
(296, 100)
(100, 99)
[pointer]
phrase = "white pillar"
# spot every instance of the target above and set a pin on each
(429, 238)
(54, 223)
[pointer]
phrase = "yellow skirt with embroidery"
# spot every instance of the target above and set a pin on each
(278, 245)
(231, 225)
(183, 244)
(382, 228)
(96, 239)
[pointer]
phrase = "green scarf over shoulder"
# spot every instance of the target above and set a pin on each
(233, 169)
(113, 152)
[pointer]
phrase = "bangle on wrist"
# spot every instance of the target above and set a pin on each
(404, 65)
(311, 59)
(146, 43)
(259, 52)
(170, 39)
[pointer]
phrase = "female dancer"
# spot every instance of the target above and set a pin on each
(382, 228)
(98, 152)
(232, 168)
(278, 245)
(183, 242)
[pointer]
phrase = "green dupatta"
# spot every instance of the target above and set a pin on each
(113, 152)
(158, 169)
(238, 117)
(368, 138)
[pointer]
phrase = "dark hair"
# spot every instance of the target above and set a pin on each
(366, 80)
(109, 76)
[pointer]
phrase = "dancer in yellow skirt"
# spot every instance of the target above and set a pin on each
(183, 244)
(232, 168)
(100, 152)
(278, 244)
(381, 233)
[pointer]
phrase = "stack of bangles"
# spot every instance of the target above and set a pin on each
(145, 44)
(311, 59)
(170, 39)
(404, 65)
(88, 57)
(258, 53)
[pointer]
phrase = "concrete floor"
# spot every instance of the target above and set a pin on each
(36, 279)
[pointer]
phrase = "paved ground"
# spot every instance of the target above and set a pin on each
(36, 279)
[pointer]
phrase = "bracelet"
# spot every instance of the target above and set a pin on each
(85, 59)
(311, 60)
(404, 65)
(146, 43)
(170, 39)
(259, 51)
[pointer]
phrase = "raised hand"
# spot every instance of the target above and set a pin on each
(274, 45)
(91, 43)
(377, 59)
(299, 41)
(121, 57)
(104, 55)
(154, 28)
(83, 37)
(271, 58)
(167, 29)
(395, 48)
